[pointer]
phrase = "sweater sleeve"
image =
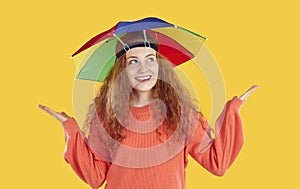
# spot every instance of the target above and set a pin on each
(88, 166)
(216, 155)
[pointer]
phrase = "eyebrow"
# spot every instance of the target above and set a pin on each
(146, 56)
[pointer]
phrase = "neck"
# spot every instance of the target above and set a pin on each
(139, 99)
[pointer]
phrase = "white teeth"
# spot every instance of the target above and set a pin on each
(143, 78)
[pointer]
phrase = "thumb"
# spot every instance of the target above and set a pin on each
(64, 114)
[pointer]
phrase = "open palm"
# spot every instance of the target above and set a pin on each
(62, 116)
(248, 93)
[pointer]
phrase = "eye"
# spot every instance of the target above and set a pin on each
(151, 59)
(133, 61)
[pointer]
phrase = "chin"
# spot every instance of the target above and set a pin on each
(145, 88)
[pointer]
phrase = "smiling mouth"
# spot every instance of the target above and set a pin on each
(144, 78)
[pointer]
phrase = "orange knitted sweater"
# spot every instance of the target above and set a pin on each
(215, 155)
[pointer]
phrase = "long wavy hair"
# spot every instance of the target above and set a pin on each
(113, 98)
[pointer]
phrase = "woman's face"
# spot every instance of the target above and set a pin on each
(142, 68)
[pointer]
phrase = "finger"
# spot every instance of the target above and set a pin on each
(252, 88)
(248, 92)
(64, 114)
(49, 111)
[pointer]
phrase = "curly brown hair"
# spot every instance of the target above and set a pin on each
(113, 98)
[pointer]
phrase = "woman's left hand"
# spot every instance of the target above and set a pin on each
(248, 93)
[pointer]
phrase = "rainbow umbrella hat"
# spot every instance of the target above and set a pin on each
(96, 57)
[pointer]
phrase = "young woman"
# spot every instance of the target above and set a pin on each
(142, 125)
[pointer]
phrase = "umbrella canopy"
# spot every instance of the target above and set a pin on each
(97, 56)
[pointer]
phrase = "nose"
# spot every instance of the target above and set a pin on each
(143, 67)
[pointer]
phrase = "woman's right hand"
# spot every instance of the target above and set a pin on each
(62, 116)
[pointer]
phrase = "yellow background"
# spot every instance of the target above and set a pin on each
(254, 42)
